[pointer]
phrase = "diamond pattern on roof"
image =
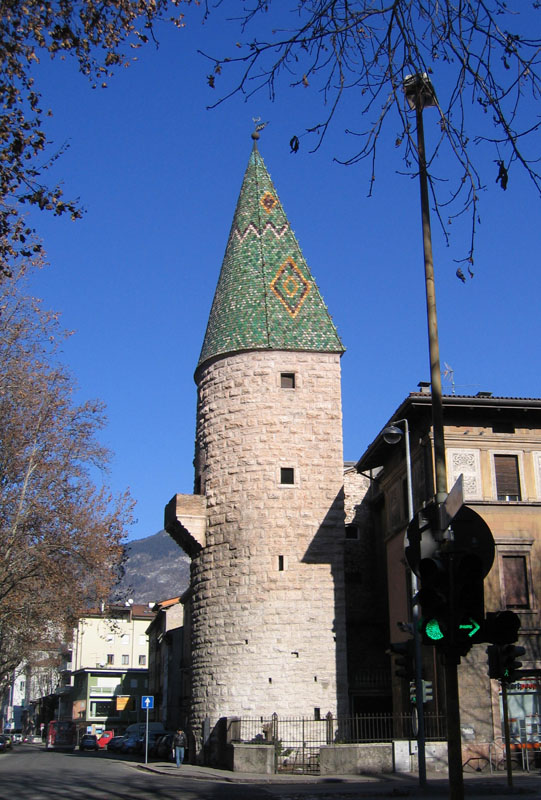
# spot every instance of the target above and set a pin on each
(290, 286)
(268, 201)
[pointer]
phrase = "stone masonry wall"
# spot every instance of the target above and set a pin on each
(268, 588)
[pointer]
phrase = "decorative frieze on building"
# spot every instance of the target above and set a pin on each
(467, 463)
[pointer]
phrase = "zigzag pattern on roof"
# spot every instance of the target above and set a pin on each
(268, 227)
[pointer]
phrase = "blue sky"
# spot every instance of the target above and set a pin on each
(159, 176)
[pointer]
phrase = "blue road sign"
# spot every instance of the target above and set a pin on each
(147, 701)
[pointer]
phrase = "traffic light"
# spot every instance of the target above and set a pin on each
(502, 661)
(510, 653)
(405, 659)
(495, 666)
(501, 627)
(433, 597)
(427, 691)
(468, 603)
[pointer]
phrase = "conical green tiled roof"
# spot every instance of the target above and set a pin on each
(266, 298)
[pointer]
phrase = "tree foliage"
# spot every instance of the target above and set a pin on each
(99, 36)
(60, 532)
(484, 56)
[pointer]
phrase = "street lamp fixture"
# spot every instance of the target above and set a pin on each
(419, 91)
(391, 434)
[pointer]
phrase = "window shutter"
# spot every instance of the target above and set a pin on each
(516, 582)
(507, 477)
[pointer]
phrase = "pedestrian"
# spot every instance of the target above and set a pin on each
(179, 743)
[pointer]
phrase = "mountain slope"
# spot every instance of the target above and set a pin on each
(156, 569)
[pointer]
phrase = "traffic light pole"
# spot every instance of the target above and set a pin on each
(506, 734)
(420, 93)
(421, 736)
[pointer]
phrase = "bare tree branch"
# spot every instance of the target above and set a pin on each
(357, 53)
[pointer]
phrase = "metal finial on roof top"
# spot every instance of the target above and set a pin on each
(258, 127)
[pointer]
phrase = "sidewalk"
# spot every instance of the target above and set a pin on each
(393, 785)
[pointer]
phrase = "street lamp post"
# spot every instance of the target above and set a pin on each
(392, 435)
(420, 94)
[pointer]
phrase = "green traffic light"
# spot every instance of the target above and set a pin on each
(433, 630)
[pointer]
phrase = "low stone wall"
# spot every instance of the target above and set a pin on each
(255, 758)
(435, 757)
(398, 756)
(356, 759)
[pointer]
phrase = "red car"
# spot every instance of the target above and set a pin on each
(105, 738)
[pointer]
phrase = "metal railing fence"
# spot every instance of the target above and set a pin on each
(297, 740)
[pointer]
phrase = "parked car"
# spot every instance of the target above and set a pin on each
(17, 738)
(9, 740)
(3, 743)
(89, 742)
(153, 738)
(114, 744)
(130, 744)
(164, 747)
(105, 738)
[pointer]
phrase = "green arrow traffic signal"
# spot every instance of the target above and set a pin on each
(472, 627)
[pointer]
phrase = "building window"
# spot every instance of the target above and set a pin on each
(280, 563)
(142, 661)
(503, 427)
(515, 580)
(110, 658)
(507, 477)
(287, 380)
(125, 639)
(287, 475)
(125, 660)
(142, 639)
(100, 708)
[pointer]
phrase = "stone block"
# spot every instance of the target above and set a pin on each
(252, 758)
(356, 759)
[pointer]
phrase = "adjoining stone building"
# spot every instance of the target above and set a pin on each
(495, 443)
(265, 527)
(165, 649)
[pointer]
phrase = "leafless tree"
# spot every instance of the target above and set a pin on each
(101, 35)
(61, 529)
(484, 54)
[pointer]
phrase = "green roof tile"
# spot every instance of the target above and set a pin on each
(266, 297)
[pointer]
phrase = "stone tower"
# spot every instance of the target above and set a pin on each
(265, 529)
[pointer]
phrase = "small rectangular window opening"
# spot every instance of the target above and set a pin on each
(317, 713)
(515, 578)
(110, 658)
(280, 563)
(503, 427)
(287, 475)
(507, 477)
(287, 380)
